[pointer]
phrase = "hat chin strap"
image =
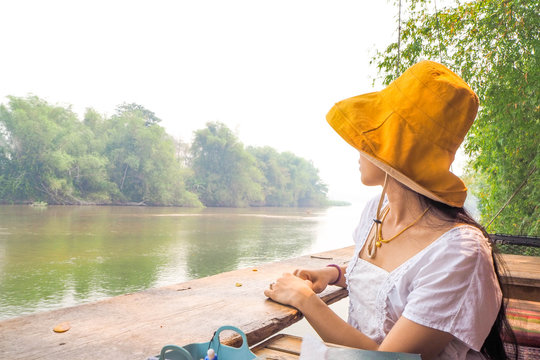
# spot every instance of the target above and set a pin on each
(381, 200)
(371, 248)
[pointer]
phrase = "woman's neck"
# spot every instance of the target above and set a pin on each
(404, 204)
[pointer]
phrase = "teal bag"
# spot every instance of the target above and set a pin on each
(198, 351)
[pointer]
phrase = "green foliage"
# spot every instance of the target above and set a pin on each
(519, 250)
(494, 45)
(225, 174)
(48, 155)
(140, 111)
(288, 179)
(142, 161)
(276, 179)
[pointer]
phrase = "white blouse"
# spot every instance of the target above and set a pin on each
(450, 286)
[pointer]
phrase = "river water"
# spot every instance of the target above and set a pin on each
(60, 256)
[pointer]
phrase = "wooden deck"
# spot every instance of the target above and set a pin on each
(135, 326)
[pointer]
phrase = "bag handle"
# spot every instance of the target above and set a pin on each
(184, 354)
(233, 328)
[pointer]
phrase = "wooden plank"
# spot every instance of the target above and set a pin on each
(524, 280)
(283, 346)
(135, 326)
(281, 343)
(525, 270)
(270, 354)
(288, 344)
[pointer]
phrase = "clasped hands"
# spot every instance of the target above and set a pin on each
(296, 288)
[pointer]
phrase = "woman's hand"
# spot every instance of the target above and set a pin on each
(290, 290)
(319, 278)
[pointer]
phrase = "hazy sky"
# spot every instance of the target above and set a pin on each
(269, 70)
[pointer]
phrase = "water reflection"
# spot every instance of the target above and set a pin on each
(62, 256)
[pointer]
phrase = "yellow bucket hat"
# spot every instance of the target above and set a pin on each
(413, 128)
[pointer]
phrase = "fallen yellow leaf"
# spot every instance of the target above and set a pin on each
(62, 327)
(238, 284)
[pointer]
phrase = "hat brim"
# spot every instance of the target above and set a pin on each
(407, 181)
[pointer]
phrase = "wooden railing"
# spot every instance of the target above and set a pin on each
(138, 325)
(516, 240)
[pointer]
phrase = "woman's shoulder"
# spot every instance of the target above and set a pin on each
(460, 256)
(454, 288)
(462, 245)
(465, 236)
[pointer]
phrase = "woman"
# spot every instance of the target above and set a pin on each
(423, 278)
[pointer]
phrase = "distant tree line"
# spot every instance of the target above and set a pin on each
(47, 154)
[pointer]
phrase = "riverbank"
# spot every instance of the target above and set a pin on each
(328, 203)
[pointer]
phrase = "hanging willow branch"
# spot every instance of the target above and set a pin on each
(513, 195)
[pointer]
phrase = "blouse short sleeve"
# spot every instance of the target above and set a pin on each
(456, 290)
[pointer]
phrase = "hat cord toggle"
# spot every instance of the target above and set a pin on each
(377, 239)
(371, 248)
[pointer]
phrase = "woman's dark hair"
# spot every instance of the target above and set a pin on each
(493, 347)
